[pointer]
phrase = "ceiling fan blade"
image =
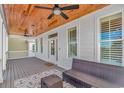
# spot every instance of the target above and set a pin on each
(50, 16)
(64, 15)
(71, 7)
(43, 7)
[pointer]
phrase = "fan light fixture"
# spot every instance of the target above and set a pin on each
(57, 11)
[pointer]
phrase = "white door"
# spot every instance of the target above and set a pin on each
(53, 50)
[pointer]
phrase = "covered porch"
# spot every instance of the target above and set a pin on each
(38, 40)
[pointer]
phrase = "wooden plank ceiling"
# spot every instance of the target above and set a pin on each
(24, 17)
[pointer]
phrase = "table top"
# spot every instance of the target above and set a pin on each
(52, 79)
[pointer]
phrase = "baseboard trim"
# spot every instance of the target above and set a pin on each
(19, 57)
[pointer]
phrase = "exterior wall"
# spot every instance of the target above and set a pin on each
(87, 37)
(18, 48)
(17, 44)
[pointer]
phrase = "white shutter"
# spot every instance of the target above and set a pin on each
(116, 28)
(105, 30)
(105, 52)
(111, 40)
(116, 51)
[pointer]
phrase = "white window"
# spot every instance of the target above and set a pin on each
(72, 42)
(33, 48)
(36, 45)
(111, 40)
(41, 43)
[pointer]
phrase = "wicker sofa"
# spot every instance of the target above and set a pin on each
(91, 74)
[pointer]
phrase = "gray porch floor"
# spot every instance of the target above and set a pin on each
(20, 68)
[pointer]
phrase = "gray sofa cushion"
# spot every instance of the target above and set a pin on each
(89, 79)
(113, 74)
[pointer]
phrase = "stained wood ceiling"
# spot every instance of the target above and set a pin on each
(24, 17)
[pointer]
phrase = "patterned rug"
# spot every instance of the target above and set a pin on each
(34, 81)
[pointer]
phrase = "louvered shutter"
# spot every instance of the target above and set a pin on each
(116, 28)
(105, 30)
(116, 52)
(111, 40)
(105, 52)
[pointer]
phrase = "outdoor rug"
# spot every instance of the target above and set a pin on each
(34, 81)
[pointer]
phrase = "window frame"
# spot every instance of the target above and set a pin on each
(41, 45)
(36, 45)
(72, 42)
(98, 37)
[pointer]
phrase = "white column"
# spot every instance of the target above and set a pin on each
(4, 48)
(1, 67)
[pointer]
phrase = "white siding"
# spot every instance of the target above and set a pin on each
(87, 37)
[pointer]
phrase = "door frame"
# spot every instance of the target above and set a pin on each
(56, 49)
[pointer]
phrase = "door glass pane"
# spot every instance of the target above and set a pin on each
(52, 47)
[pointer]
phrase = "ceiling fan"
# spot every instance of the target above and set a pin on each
(26, 34)
(25, 31)
(57, 10)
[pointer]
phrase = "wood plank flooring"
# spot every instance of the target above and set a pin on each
(20, 68)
